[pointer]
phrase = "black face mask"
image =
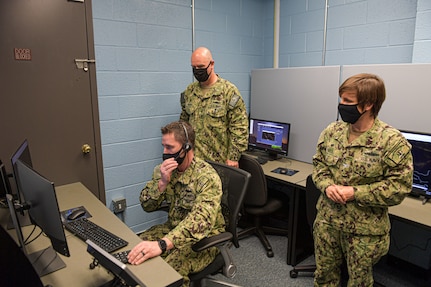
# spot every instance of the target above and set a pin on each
(201, 74)
(349, 113)
(176, 156)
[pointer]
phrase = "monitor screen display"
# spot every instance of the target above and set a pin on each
(421, 151)
(269, 136)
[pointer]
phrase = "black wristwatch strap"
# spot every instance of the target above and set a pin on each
(162, 245)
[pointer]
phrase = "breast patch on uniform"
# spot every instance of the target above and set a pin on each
(233, 101)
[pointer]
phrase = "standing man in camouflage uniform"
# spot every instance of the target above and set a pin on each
(216, 110)
(362, 166)
(194, 190)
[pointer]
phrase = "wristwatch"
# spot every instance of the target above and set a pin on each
(162, 245)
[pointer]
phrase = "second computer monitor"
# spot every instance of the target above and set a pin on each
(41, 200)
(269, 136)
(421, 152)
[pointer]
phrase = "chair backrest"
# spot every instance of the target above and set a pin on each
(257, 193)
(311, 197)
(234, 182)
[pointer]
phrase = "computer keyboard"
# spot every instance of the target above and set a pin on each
(261, 160)
(86, 229)
(122, 256)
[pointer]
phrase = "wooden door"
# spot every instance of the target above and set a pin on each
(45, 98)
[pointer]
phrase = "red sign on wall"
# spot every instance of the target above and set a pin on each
(22, 54)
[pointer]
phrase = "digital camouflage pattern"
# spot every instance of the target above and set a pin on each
(362, 252)
(219, 118)
(379, 165)
(194, 213)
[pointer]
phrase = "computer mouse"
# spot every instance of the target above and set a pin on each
(77, 213)
(283, 170)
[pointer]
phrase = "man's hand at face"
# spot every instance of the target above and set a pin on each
(166, 169)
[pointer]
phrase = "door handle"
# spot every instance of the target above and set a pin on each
(86, 148)
(83, 63)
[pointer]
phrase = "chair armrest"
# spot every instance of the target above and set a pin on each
(223, 242)
(208, 242)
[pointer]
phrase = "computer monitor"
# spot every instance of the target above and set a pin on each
(4, 181)
(23, 154)
(421, 151)
(269, 136)
(40, 199)
(118, 269)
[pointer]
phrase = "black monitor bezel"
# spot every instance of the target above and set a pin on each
(5, 187)
(110, 263)
(22, 153)
(273, 153)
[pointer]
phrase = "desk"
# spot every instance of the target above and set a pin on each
(413, 210)
(300, 240)
(154, 272)
(411, 232)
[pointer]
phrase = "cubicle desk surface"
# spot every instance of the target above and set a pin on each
(413, 210)
(411, 232)
(303, 170)
(300, 241)
(154, 272)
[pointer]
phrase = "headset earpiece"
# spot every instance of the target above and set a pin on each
(187, 146)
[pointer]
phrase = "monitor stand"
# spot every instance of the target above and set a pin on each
(24, 220)
(46, 261)
(270, 156)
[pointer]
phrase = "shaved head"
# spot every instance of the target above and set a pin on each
(202, 54)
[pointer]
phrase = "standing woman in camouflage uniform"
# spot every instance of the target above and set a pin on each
(216, 110)
(362, 166)
(194, 191)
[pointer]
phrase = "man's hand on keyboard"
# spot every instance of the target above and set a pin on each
(143, 251)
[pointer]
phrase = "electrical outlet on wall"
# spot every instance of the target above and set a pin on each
(119, 204)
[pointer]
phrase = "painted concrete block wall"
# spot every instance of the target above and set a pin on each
(143, 51)
(358, 32)
(422, 44)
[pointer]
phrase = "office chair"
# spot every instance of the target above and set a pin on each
(234, 182)
(257, 203)
(311, 197)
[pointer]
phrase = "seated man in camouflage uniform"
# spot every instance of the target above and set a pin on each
(194, 191)
(362, 166)
(216, 110)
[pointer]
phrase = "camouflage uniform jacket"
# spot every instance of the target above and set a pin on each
(194, 198)
(379, 166)
(219, 118)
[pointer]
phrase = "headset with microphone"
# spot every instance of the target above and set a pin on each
(187, 146)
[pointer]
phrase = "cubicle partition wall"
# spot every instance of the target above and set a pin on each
(307, 97)
(408, 93)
